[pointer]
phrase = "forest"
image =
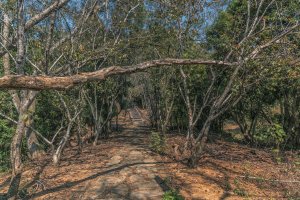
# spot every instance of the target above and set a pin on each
(150, 99)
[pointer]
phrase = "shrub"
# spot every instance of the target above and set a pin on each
(5, 139)
(157, 142)
(7, 131)
(271, 135)
(240, 192)
(172, 195)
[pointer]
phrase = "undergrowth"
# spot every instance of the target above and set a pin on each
(172, 195)
(157, 142)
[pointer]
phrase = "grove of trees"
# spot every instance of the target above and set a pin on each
(68, 66)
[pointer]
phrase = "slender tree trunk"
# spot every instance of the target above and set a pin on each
(15, 154)
(191, 112)
(200, 145)
(189, 141)
(62, 144)
(15, 157)
(98, 131)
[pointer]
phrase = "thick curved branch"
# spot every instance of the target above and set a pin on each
(66, 82)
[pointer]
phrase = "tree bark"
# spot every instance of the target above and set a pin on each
(15, 157)
(98, 131)
(15, 151)
(62, 83)
(32, 141)
(200, 145)
(62, 144)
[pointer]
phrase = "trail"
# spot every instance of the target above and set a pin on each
(138, 179)
(123, 167)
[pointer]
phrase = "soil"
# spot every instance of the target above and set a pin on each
(124, 167)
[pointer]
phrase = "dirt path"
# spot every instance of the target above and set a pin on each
(123, 167)
(137, 178)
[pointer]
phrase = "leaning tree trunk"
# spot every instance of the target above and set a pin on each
(62, 144)
(32, 141)
(15, 157)
(15, 152)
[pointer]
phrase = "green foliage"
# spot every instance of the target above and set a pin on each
(6, 135)
(270, 135)
(240, 192)
(48, 115)
(157, 142)
(172, 195)
(7, 129)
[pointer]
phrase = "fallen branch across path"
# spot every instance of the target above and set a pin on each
(66, 82)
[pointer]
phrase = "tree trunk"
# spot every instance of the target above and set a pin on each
(189, 143)
(15, 157)
(98, 131)
(200, 145)
(62, 144)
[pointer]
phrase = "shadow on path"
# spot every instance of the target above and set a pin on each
(74, 183)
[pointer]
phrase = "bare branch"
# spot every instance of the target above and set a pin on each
(258, 49)
(45, 13)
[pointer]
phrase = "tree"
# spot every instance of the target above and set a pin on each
(244, 47)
